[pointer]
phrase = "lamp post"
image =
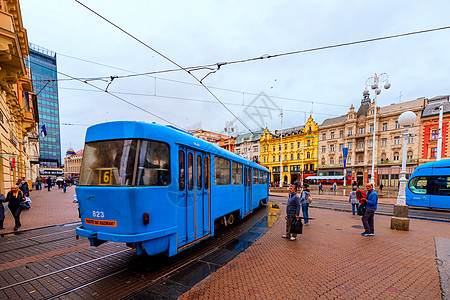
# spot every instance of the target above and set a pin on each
(302, 153)
(400, 219)
(373, 83)
(281, 153)
(229, 128)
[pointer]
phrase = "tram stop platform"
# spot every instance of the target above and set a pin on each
(330, 260)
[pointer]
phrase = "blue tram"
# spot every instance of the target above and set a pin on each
(159, 189)
(429, 185)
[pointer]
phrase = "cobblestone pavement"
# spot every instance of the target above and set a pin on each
(331, 260)
(47, 209)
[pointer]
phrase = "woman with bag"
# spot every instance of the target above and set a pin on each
(305, 199)
(15, 197)
(353, 200)
(292, 212)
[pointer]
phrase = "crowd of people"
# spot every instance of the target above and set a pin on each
(364, 203)
(18, 197)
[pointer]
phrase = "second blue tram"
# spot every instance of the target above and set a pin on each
(429, 185)
(160, 189)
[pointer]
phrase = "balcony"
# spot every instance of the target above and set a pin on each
(396, 146)
(332, 166)
(360, 149)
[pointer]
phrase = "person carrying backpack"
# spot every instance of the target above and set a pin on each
(353, 200)
(305, 200)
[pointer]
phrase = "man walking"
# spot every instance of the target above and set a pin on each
(371, 207)
(292, 212)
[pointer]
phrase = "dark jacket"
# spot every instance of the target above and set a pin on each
(2, 209)
(25, 188)
(372, 200)
(14, 202)
(293, 205)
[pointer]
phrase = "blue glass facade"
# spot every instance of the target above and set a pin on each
(42, 63)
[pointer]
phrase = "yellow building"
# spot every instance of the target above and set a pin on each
(298, 152)
(18, 103)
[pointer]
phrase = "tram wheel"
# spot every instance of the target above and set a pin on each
(230, 219)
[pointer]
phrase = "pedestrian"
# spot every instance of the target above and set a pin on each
(296, 184)
(381, 187)
(2, 210)
(49, 183)
(354, 184)
(64, 185)
(38, 184)
(320, 188)
(334, 187)
(371, 207)
(353, 200)
(15, 197)
(24, 187)
(292, 212)
(304, 201)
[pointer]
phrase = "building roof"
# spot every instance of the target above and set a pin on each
(289, 131)
(408, 105)
(365, 105)
(79, 152)
(332, 121)
(432, 108)
(249, 137)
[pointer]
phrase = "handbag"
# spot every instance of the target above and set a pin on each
(361, 210)
(296, 226)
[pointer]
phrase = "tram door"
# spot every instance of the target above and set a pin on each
(193, 196)
(248, 190)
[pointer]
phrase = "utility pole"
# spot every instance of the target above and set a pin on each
(281, 147)
(439, 139)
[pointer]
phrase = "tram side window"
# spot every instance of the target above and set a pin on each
(255, 176)
(206, 172)
(441, 186)
(221, 171)
(199, 172)
(181, 171)
(261, 176)
(264, 177)
(238, 176)
(190, 171)
(418, 185)
(153, 165)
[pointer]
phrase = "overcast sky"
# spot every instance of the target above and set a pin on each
(198, 33)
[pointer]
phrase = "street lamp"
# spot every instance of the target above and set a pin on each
(229, 128)
(373, 83)
(400, 219)
(302, 153)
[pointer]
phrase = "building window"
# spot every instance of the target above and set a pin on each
(434, 134)
(298, 155)
(273, 148)
(341, 134)
(341, 146)
(285, 169)
(324, 136)
(383, 142)
(311, 167)
(410, 140)
(397, 126)
(264, 159)
(285, 158)
(323, 149)
(409, 156)
(285, 147)
(279, 157)
(349, 160)
(308, 155)
(361, 145)
(434, 152)
(308, 143)
(371, 128)
(279, 147)
(396, 156)
(273, 157)
(292, 145)
(384, 128)
(371, 143)
(349, 145)
(264, 149)
(331, 161)
(255, 149)
(332, 135)
(292, 156)
(298, 145)
(331, 148)
(361, 130)
(397, 140)
(350, 132)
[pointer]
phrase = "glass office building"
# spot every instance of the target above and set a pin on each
(42, 63)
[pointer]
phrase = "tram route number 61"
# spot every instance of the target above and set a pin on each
(98, 214)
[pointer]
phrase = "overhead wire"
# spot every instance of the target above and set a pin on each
(167, 58)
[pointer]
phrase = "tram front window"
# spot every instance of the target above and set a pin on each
(112, 163)
(418, 185)
(153, 165)
(108, 163)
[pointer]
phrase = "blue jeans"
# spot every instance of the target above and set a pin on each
(353, 207)
(305, 211)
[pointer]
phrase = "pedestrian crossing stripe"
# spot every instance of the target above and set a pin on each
(107, 223)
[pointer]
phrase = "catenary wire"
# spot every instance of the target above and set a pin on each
(167, 58)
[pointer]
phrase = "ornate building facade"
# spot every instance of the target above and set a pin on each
(247, 145)
(72, 163)
(297, 152)
(19, 149)
(355, 131)
(430, 129)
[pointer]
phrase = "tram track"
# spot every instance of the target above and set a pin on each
(134, 273)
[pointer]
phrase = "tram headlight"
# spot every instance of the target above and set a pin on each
(146, 218)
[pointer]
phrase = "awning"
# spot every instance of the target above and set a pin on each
(329, 177)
